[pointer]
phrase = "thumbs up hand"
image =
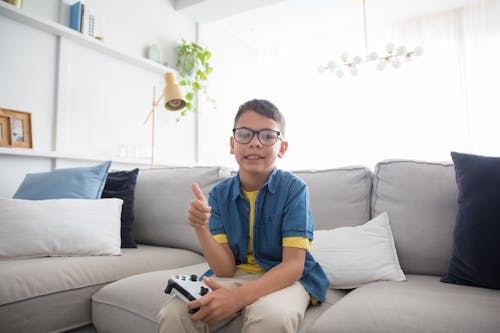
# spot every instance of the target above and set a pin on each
(199, 210)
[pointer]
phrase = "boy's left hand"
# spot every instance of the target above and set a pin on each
(220, 304)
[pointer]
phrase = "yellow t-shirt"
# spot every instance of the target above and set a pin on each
(252, 266)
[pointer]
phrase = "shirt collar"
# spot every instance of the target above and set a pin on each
(270, 184)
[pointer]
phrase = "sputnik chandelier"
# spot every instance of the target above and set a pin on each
(392, 57)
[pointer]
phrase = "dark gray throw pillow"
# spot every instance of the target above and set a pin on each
(476, 239)
(121, 184)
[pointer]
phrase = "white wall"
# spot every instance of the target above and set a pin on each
(84, 101)
(437, 103)
(234, 81)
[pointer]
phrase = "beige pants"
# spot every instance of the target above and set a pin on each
(280, 311)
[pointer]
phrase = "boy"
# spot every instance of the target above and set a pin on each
(255, 231)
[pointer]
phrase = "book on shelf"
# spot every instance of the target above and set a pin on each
(83, 20)
(82, 13)
(75, 16)
(89, 23)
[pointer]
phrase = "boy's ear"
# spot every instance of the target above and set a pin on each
(283, 148)
(231, 144)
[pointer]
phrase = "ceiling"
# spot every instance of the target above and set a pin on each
(264, 23)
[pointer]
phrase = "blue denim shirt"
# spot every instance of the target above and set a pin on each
(281, 210)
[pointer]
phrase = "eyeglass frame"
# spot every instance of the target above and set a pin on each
(278, 137)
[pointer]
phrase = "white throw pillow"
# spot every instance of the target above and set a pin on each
(353, 256)
(59, 227)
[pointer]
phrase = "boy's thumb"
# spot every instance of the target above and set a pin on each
(198, 193)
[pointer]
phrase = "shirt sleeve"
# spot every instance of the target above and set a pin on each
(221, 238)
(298, 242)
(298, 220)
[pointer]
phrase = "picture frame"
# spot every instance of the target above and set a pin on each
(17, 3)
(16, 129)
(5, 131)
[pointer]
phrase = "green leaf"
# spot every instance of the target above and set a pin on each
(194, 68)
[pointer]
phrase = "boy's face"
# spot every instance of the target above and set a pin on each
(254, 157)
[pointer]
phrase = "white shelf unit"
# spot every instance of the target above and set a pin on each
(57, 29)
(71, 157)
(61, 31)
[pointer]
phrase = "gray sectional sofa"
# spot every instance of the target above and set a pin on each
(124, 293)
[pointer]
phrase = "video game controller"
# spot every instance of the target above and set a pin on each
(187, 288)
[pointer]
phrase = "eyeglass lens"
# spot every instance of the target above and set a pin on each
(267, 137)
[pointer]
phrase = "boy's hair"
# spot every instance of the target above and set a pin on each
(265, 108)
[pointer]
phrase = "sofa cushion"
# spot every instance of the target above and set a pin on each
(339, 197)
(162, 199)
(421, 304)
(121, 184)
(59, 227)
(79, 183)
(353, 256)
(476, 248)
(53, 294)
(132, 304)
(421, 200)
(58, 312)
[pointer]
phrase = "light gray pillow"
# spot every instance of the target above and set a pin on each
(162, 199)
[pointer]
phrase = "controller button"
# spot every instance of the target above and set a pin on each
(193, 278)
(203, 291)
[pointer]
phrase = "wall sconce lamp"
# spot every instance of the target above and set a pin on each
(174, 101)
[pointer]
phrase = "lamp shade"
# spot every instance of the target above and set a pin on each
(173, 96)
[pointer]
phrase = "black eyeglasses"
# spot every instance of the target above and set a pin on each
(267, 136)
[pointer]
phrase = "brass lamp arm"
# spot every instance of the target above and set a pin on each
(154, 104)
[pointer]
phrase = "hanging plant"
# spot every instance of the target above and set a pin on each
(194, 68)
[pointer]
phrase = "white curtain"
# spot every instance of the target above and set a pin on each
(481, 44)
(445, 100)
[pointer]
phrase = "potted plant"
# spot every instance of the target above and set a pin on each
(194, 68)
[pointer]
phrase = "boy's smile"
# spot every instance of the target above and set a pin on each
(255, 160)
(253, 157)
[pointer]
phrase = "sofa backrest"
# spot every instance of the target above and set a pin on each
(419, 197)
(339, 197)
(421, 201)
(162, 198)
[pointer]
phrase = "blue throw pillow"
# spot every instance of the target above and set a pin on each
(476, 240)
(77, 183)
(121, 184)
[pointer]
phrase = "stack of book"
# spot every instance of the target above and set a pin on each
(82, 20)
